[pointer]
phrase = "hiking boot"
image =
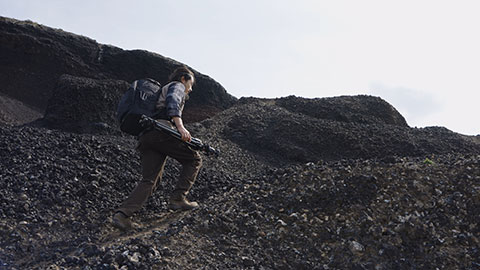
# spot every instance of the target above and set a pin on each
(121, 221)
(182, 203)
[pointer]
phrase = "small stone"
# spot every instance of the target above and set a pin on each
(53, 267)
(281, 222)
(135, 258)
(248, 262)
(356, 247)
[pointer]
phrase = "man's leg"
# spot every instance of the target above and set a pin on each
(152, 169)
(191, 163)
(153, 163)
(188, 175)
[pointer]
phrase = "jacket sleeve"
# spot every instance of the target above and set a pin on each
(174, 99)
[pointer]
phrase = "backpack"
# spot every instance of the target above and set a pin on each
(140, 99)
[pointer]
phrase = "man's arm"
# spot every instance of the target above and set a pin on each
(173, 100)
(185, 133)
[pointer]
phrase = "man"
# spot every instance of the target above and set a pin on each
(154, 147)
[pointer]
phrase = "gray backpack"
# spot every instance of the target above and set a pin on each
(140, 99)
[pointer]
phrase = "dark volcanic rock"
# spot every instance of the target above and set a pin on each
(351, 109)
(84, 104)
(371, 215)
(59, 190)
(34, 57)
(283, 136)
(14, 112)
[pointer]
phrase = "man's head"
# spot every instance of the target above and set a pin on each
(185, 76)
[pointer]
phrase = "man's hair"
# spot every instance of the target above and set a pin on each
(181, 72)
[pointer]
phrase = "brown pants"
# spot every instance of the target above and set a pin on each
(154, 147)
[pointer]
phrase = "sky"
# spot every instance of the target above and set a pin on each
(421, 56)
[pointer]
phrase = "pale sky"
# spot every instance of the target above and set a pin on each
(422, 56)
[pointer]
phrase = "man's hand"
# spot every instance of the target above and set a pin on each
(186, 137)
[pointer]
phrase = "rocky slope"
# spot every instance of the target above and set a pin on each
(35, 58)
(279, 132)
(397, 208)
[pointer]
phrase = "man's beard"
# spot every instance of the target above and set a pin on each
(187, 97)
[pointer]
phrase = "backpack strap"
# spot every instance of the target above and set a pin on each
(135, 83)
(155, 82)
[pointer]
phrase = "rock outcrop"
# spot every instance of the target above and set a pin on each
(296, 129)
(84, 104)
(35, 57)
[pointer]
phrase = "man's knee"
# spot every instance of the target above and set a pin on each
(149, 180)
(197, 161)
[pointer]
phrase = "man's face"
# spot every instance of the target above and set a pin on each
(188, 85)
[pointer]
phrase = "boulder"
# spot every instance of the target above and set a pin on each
(82, 104)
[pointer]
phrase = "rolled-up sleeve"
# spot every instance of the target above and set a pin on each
(174, 99)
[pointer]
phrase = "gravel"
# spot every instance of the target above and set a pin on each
(379, 206)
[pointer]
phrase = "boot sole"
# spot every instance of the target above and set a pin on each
(120, 225)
